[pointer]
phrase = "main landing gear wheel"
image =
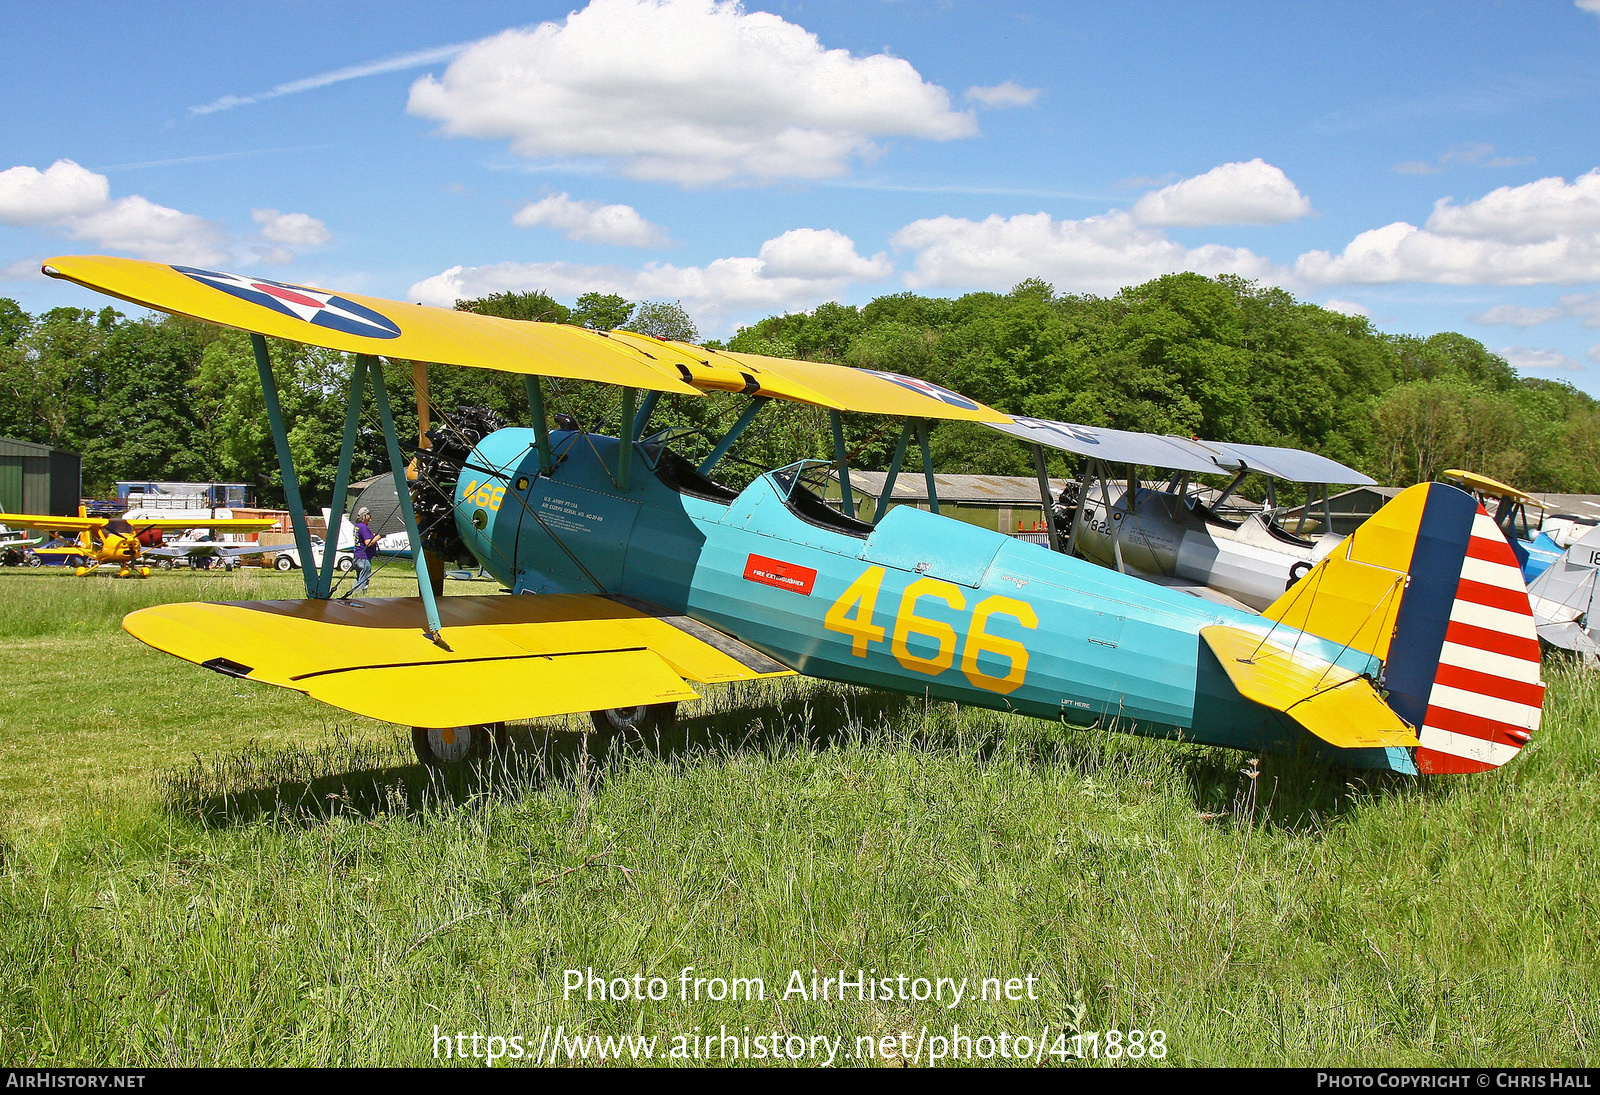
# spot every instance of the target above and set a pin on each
(283, 562)
(437, 747)
(640, 721)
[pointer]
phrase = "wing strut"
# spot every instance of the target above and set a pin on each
(341, 479)
(291, 484)
(402, 491)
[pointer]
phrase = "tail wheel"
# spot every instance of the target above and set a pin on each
(643, 721)
(439, 746)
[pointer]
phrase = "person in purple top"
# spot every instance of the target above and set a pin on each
(366, 546)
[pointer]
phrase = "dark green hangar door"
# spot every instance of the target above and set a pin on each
(39, 479)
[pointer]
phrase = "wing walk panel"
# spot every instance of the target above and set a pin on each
(508, 657)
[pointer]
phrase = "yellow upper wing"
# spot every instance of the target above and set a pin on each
(1473, 481)
(819, 383)
(53, 524)
(370, 325)
(508, 658)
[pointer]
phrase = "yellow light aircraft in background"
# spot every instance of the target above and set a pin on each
(116, 540)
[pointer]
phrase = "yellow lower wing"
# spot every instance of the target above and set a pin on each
(1338, 706)
(507, 658)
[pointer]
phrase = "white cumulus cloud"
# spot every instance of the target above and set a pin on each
(61, 191)
(1588, 5)
(1099, 254)
(1252, 192)
(1349, 308)
(291, 229)
(1516, 315)
(800, 269)
(688, 91)
(77, 203)
(592, 222)
(820, 254)
(1581, 306)
(1523, 358)
(1009, 93)
(1404, 252)
(1545, 209)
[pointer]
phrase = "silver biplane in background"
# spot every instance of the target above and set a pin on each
(1172, 533)
(1563, 600)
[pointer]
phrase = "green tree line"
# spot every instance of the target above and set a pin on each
(1222, 358)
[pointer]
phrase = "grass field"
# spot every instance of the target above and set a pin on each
(198, 870)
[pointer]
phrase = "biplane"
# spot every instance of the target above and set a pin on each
(1563, 598)
(106, 540)
(1171, 533)
(1534, 548)
(1561, 579)
(636, 577)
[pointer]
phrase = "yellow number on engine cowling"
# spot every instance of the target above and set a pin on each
(485, 494)
(908, 623)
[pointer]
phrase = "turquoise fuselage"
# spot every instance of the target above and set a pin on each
(989, 620)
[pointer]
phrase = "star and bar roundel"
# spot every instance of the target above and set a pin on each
(314, 306)
(924, 387)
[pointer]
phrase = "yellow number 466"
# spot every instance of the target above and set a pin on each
(852, 614)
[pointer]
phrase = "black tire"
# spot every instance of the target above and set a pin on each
(636, 722)
(344, 564)
(438, 748)
(282, 562)
(164, 564)
(33, 561)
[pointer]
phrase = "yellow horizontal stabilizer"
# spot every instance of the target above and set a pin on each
(507, 658)
(1338, 706)
(371, 325)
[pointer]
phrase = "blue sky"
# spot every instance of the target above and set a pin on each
(1435, 166)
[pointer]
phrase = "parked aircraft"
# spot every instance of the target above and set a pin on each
(638, 573)
(116, 540)
(1563, 598)
(1171, 534)
(1533, 547)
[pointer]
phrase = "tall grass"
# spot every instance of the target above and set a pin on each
(325, 900)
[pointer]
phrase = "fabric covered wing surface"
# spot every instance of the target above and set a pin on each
(503, 658)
